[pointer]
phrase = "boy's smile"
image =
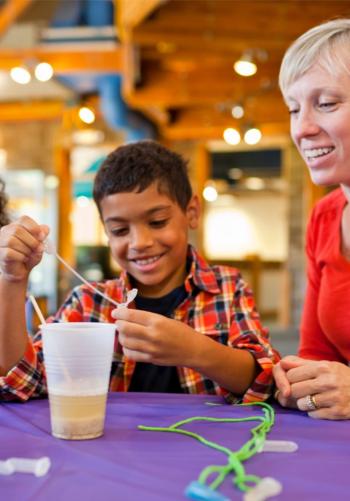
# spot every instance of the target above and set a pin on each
(148, 237)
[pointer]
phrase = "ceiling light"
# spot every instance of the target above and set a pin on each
(210, 193)
(245, 65)
(86, 115)
(20, 75)
(43, 72)
(237, 111)
(252, 136)
(232, 136)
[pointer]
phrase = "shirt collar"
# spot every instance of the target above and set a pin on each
(200, 274)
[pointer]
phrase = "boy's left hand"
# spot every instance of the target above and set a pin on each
(149, 337)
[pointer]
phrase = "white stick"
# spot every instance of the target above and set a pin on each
(85, 281)
(37, 309)
(50, 249)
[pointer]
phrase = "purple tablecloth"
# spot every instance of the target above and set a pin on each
(128, 464)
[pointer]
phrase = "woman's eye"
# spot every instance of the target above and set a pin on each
(328, 105)
(293, 111)
(159, 223)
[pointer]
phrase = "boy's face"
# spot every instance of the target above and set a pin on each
(148, 236)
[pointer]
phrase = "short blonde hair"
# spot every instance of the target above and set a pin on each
(328, 44)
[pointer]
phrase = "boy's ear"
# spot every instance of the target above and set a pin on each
(193, 212)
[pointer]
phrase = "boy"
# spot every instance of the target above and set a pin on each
(194, 328)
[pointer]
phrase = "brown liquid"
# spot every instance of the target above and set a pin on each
(77, 417)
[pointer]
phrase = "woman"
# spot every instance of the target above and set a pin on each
(315, 83)
(4, 219)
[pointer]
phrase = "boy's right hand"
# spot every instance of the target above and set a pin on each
(21, 248)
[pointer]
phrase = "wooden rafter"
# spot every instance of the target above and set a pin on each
(10, 11)
(66, 61)
(131, 13)
(35, 110)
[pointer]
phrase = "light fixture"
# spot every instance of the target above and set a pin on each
(86, 115)
(20, 75)
(252, 136)
(43, 72)
(23, 74)
(237, 111)
(245, 65)
(232, 136)
(210, 193)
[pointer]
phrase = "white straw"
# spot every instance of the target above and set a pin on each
(37, 309)
(50, 249)
(85, 281)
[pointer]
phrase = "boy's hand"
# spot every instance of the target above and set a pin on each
(280, 373)
(21, 248)
(149, 337)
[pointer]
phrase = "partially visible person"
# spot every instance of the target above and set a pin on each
(315, 83)
(4, 218)
(195, 328)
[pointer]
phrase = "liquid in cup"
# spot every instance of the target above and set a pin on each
(78, 358)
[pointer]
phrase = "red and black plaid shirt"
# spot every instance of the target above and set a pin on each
(218, 304)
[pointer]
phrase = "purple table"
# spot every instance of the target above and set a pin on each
(128, 464)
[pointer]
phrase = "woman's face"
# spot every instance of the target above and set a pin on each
(319, 105)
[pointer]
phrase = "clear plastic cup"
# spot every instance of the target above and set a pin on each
(78, 358)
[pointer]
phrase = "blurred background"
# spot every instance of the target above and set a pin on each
(80, 77)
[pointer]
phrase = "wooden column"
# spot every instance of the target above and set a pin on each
(64, 233)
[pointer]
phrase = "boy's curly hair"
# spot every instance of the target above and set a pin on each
(4, 219)
(135, 166)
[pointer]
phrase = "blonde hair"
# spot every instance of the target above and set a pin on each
(327, 44)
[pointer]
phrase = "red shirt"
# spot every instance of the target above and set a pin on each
(325, 327)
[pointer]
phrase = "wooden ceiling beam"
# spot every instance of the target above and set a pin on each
(10, 11)
(172, 91)
(73, 61)
(131, 13)
(204, 132)
(28, 111)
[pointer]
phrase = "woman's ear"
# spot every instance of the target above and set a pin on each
(193, 212)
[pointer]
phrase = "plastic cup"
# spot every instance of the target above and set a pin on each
(78, 358)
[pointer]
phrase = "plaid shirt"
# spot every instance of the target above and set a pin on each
(218, 305)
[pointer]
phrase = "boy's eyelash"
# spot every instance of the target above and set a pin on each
(159, 222)
(118, 231)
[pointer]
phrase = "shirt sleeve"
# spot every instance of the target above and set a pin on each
(314, 344)
(27, 379)
(247, 333)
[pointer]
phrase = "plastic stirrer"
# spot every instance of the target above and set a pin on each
(37, 309)
(50, 249)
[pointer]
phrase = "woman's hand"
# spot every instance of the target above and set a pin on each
(322, 388)
(323, 384)
(21, 248)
